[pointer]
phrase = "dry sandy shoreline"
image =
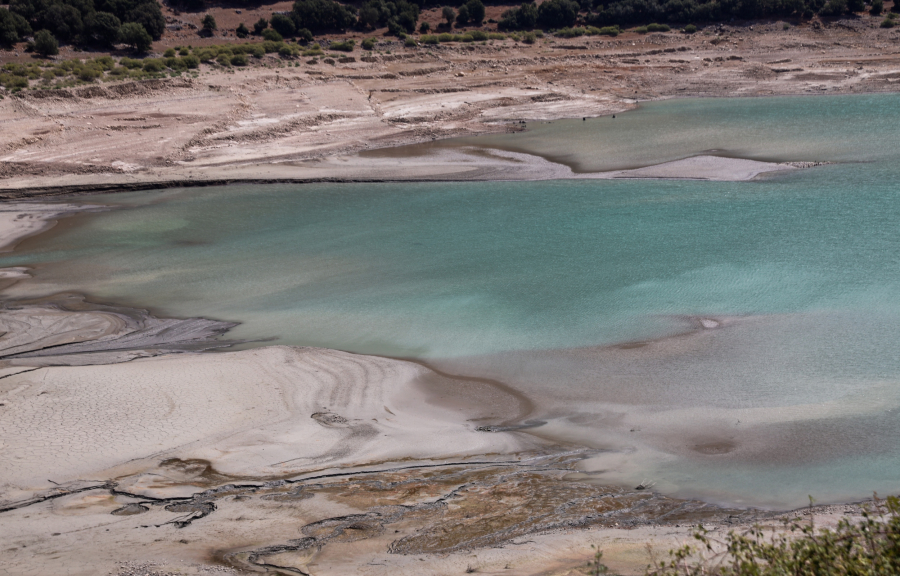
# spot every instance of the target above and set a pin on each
(309, 123)
(122, 457)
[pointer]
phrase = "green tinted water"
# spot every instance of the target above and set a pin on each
(450, 271)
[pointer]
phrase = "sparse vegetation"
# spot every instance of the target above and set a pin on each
(868, 547)
(345, 46)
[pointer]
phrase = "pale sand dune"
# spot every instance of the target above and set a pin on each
(249, 413)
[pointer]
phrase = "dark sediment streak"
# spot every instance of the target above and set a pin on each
(83, 332)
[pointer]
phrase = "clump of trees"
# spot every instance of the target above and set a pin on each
(471, 12)
(399, 16)
(552, 14)
(82, 21)
(322, 15)
(13, 27)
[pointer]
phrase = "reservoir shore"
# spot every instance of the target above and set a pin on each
(128, 451)
(130, 448)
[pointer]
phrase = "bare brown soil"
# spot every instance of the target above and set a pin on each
(279, 120)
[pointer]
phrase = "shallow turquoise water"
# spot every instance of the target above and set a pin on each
(786, 128)
(452, 271)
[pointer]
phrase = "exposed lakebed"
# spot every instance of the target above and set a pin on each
(733, 341)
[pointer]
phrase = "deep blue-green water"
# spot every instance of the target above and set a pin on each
(533, 282)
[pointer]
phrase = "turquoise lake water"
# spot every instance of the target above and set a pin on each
(533, 281)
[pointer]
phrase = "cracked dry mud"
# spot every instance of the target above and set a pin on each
(413, 510)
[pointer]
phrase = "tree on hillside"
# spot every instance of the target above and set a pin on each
(134, 35)
(45, 44)
(522, 18)
(150, 17)
(260, 25)
(209, 25)
(242, 31)
(476, 11)
(103, 27)
(322, 15)
(463, 15)
(12, 27)
(284, 25)
(557, 13)
(448, 14)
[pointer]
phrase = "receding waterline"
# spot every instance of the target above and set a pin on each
(792, 388)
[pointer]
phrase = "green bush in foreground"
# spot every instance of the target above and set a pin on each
(869, 547)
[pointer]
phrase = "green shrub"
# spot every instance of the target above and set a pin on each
(170, 53)
(570, 32)
(255, 50)
(304, 36)
(89, 74)
(496, 36)
(224, 59)
(870, 546)
(272, 35)
(45, 43)
(424, 27)
(658, 28)
(153, 65)
(130, 63)
(529, 38)
(288, 51)
(410, 42)
(271, 47)
(888, 23)
(690, 29)
(190, 61)
(104, 62)
(134, 35)
(479, 35)
(466, 38)
(206, 55)
(345, 46)
(283, 25)
(238, 60)
(446, 37)
(11, 82)
(242, 31)
(209, 25)
(118, 72)
(608, 31)
(369, 44)
(429, 39)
